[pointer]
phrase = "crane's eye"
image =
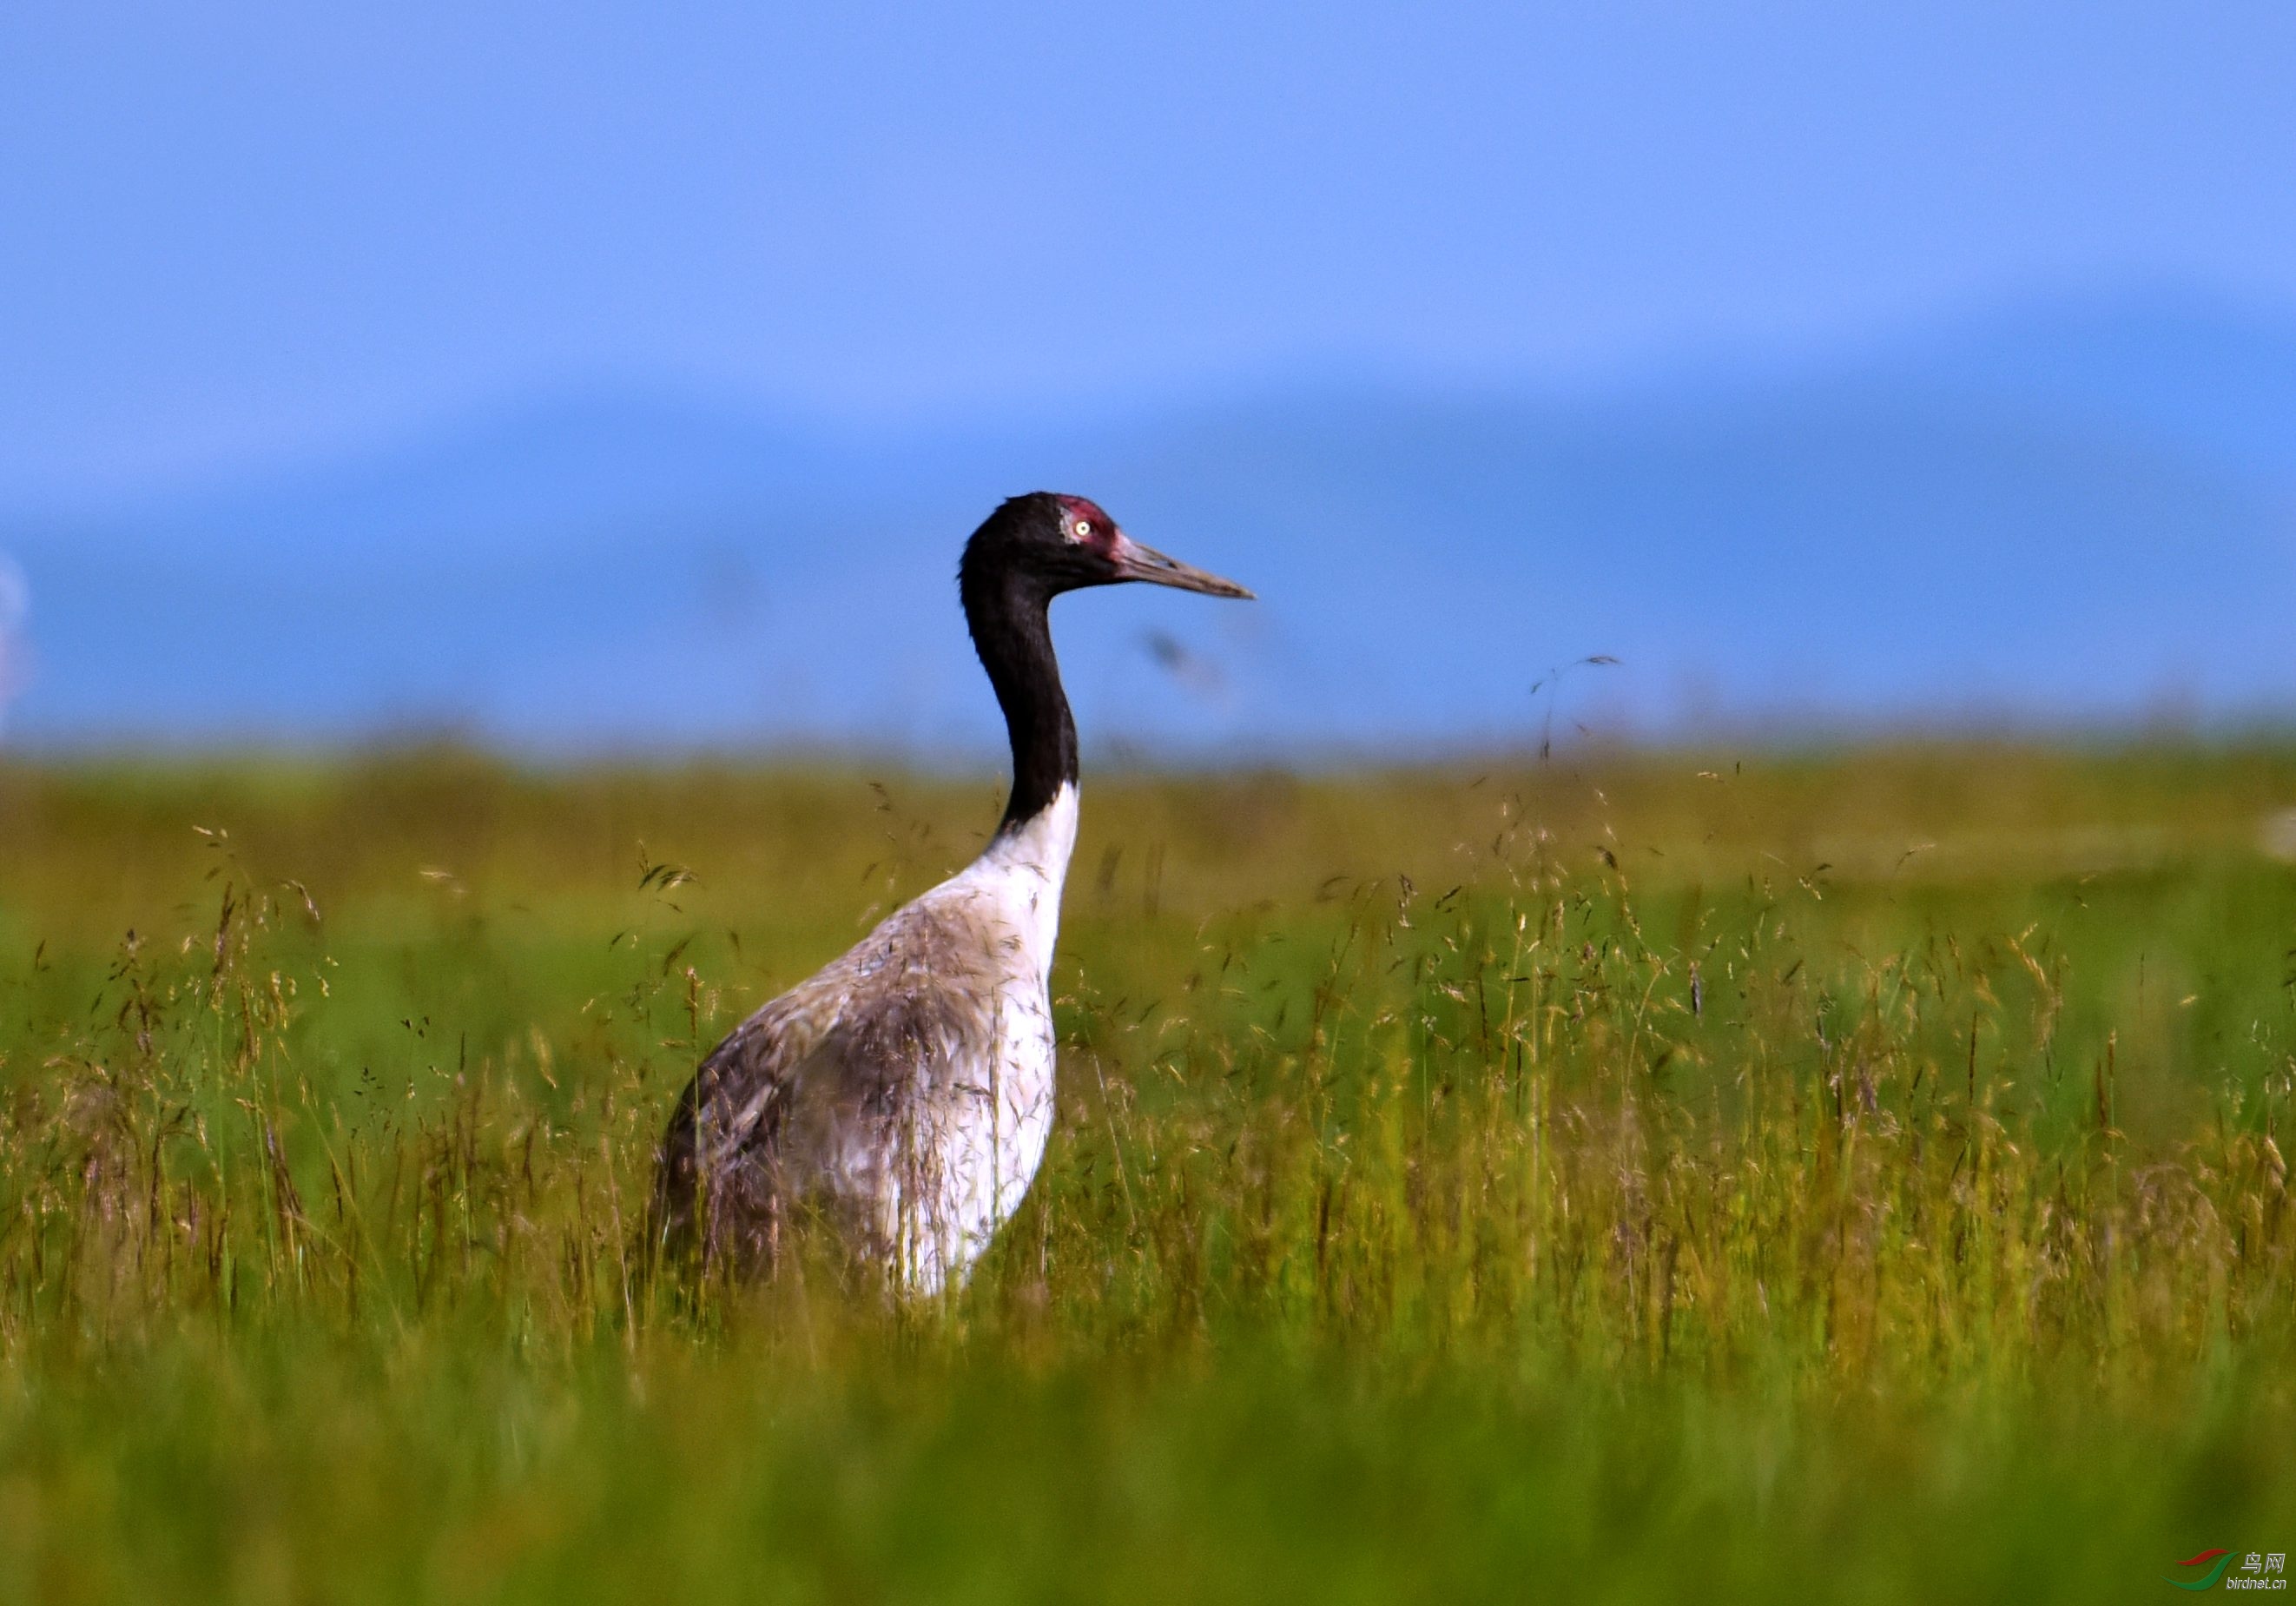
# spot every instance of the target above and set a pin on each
(1084, 530)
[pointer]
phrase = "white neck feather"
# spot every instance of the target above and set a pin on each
(1024, 870)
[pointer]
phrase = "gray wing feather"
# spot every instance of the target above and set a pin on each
(813, 1104)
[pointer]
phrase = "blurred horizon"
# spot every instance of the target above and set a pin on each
(582, 379)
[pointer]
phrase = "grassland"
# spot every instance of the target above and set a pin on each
(1854, 1177)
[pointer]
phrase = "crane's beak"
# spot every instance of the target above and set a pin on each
(1136, 562)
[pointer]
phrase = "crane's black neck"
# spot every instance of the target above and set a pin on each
(1008, 613)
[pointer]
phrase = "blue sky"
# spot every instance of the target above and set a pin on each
(246, 234)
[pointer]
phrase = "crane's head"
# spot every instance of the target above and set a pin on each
(1057, 543)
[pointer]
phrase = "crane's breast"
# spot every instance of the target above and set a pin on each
(982, 1146)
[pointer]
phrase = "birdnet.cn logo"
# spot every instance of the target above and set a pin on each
(2211, 1568)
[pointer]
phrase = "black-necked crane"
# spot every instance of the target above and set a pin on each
(902, 1097)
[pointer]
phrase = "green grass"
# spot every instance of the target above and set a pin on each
(1853, 1176)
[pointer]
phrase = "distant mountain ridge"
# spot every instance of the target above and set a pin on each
(2069, 511)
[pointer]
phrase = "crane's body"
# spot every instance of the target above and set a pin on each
(901, 1097)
